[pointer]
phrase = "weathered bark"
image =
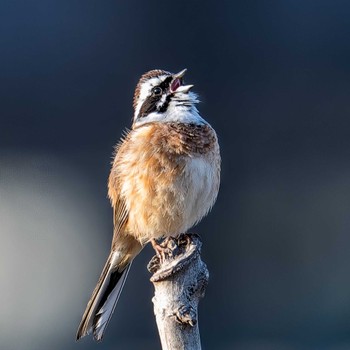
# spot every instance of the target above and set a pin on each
(180, 278)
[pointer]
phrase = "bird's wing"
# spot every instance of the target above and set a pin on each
(120, 216)
(120, 211)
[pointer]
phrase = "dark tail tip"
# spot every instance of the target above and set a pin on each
(79, 335)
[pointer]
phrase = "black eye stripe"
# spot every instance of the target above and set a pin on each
(149, 106)
(165, 84)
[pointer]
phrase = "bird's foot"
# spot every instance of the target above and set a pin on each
(173, 254)
(165, 248)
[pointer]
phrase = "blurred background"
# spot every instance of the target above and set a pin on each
(274, 81)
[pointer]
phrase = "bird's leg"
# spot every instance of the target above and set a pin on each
(157, 247)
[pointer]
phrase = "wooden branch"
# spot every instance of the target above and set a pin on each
(180, 278)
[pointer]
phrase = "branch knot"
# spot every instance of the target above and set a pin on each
(186, 314)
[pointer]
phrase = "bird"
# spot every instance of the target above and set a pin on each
(164, 179)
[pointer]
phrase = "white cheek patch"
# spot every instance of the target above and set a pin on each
(161, 101)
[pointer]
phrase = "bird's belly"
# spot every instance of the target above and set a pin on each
(168, 200)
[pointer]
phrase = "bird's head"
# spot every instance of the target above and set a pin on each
(161, 96)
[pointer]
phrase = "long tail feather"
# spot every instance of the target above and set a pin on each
(104, 298)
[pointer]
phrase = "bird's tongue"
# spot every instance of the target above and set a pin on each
(175, 84)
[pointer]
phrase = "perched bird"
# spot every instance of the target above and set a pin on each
(164, 178)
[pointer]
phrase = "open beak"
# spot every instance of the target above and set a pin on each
(176, 84)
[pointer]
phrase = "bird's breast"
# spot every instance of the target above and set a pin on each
(168, 176)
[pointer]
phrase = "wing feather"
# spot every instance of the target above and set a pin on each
(120, 212)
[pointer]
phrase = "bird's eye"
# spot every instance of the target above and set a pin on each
(157, 90)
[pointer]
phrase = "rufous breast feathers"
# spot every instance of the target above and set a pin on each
(167, 174)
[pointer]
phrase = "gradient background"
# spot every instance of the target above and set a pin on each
(274, 79)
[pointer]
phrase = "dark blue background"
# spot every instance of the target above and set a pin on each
(273, 78)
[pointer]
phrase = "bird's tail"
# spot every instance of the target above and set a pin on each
(105, 295)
